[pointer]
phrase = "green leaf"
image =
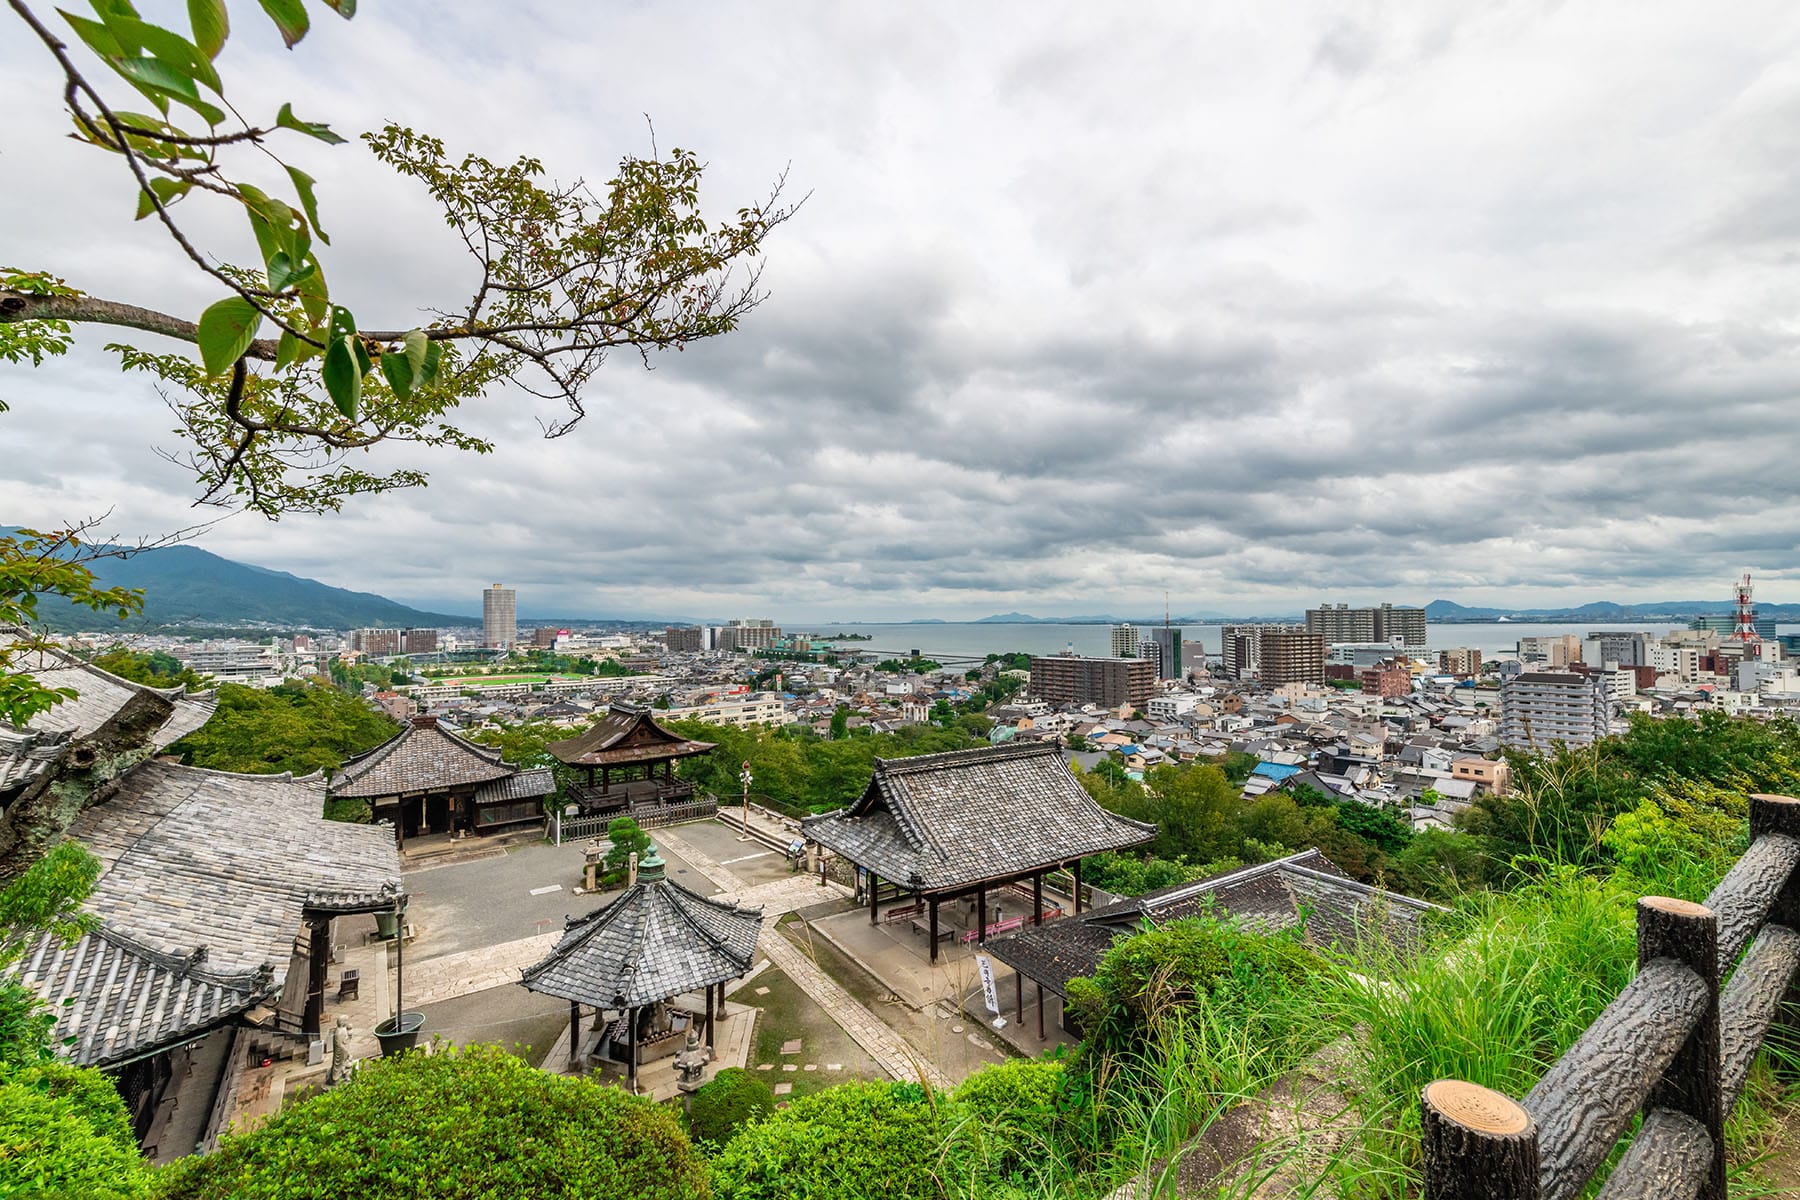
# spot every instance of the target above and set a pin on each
(315, 299)
(211, 25)
(434, 351)
(342, 380)
(344, 8)
(415, 343)
(288, 350)
(226, 330)
(289, 17)
(173, 49)
(167, 190)
(303, 184)
(287, 120)
(399, 374)
(342, 323)
(280, 271)
(98, 37)
(363, 362)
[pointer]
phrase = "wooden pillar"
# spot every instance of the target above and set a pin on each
(723, 1016)
(1040, 992)
(1019, 995)
(631, 1051)
(1692, 1084)
(981, 914)
(1037, 898)
(1478, 1144)
(874, 883)
(932, 905)
(574, 1034)
(319, 955)
(1077, 870)
(709, 1011)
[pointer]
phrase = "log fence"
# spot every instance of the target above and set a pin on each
(1675, 1046)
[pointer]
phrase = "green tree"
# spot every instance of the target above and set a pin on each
(34, 564)
(627, 839)
(298, 727)
(154, 668)
(840, 723)
(731, 1100)
(856, 1139)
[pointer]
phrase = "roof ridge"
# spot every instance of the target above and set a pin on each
(916, 763)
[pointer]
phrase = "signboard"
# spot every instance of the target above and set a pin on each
(986, 966)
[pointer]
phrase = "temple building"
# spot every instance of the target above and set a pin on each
(632, 962)
(213, 910)
(970, 822)
(1305, 890)
(426, 780)
(630, 761)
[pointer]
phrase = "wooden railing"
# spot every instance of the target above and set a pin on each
(1673, 1045)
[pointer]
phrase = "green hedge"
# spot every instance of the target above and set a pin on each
(733, 1099)
(459, 1123)
(856, 1140)
(64, 1132)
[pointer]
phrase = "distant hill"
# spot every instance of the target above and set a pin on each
(1449, 612)
(185, 585)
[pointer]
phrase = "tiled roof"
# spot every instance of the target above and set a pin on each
(958, 818)
(1271, 896)
(423, 757)
(24, 755)
(207, 858)
(655, 941)
(627, 734)
(100, 696)
(526, 785)
(116, 999)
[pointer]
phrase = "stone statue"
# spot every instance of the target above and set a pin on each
(340, 1052)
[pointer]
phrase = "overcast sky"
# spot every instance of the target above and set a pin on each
(1259, 305)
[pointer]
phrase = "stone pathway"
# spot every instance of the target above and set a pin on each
(867, 1030)
(456, 975)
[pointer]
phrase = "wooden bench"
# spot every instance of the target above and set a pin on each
(894, 915)
(349, 984)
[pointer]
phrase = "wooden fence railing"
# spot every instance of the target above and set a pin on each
(1673, 1045)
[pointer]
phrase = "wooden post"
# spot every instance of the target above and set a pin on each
(1037, 898)
(874, 883)
(932, 905)
(723, 1016)
(1019, 995)
(1692, 1084)
(1477, 1144)
(312, 1020)
(709, 1013)
(1077, 871)
(574, 1034)
(980, 914)
(1040, 992)
(631, 1048)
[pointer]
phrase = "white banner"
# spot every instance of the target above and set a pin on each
(986, 966)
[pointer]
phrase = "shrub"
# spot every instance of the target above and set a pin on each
(468, 1122)
(734, 1098)
(64, 1133)
(855, 1140)
(1007, 1114)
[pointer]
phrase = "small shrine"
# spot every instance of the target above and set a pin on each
(630, 761)
(652, 966)
(427, 780)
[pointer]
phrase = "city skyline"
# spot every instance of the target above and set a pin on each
(1419, 305)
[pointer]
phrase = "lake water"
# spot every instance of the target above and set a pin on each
(977, 640)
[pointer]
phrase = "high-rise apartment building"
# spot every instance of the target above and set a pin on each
(1167, 640)
(1109, 682)
(1124, 641)
(375, 642)
(1541, 708)
(1464, 660)
(418, 641)
(754, 635)
(1240, 653)
(679, 640)
(1558, 650)
(1383, 623)
(499, 617)
(1291, 655)
(1622, 649)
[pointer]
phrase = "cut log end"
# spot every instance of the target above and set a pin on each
(1674, 907)
(1476, 1108)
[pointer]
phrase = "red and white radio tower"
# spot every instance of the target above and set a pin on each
(1744, 630)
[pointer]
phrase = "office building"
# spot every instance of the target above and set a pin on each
(1621, 649)
(1167, 640)
(1109, 682)
(679, 640)
(499, 617)
(1539, 709)
(1725, 623)
(1290, 655)
(1387, 623)
(1124, 641)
